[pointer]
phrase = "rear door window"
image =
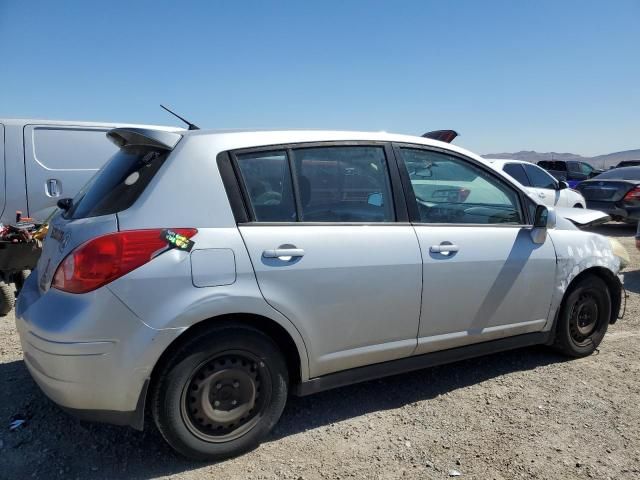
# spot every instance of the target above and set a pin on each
(517, 172)
(343, 184)
(337, 184)
(119, 184)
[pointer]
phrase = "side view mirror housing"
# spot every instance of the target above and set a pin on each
(562, 184)
(65, 203)
(544, 219)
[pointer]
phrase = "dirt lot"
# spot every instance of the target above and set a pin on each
(522, 414)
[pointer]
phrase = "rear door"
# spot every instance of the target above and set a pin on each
(483, 277)
(332, 249)
(59, 160)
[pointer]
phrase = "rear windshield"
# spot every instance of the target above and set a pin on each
(119, 184)
(553, 165)
(625, 173)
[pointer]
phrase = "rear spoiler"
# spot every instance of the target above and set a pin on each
(441, 135)
(143, 137)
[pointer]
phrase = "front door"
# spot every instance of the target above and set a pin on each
(546, 187)
(331, 252)
(483, 277)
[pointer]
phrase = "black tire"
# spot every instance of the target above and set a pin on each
(7, 299)
(577, 205)
(584, 317)
(224, 365)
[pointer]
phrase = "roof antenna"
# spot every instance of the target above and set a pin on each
(191, 125)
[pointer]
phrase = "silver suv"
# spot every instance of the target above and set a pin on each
(204, 276)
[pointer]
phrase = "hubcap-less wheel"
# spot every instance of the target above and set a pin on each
(226, 396)
(584, 318)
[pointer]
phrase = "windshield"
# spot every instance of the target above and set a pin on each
(119, 184)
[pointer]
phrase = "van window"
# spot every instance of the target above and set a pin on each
(267, 180)
(343, 184)
(71, 148)
(119, 184)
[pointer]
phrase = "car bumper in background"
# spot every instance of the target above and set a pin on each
(614, 210)
(88, 353)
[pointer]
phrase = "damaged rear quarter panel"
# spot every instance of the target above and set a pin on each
(577, 251)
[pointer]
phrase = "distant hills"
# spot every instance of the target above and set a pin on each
(599, 161)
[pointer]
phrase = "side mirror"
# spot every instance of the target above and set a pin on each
(545, 218)
(65, 203)
(562, 184)
(375, 199)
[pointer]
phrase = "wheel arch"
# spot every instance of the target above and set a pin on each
(612, 282)
(296, 360)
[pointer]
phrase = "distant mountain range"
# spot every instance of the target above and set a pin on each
(600, 161)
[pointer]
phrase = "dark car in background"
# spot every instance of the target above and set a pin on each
(628, 163)
(571, 171)
(615, 192)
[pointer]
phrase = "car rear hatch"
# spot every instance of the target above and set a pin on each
(605, 190)
(116, 187)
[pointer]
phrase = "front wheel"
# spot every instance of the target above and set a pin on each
(221, 393)
(584, 317)
(577, 205)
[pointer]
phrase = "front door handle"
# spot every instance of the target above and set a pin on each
(283, 253)
(444, 248)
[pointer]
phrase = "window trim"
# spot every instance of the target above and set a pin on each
(412, 205)
(245, 216)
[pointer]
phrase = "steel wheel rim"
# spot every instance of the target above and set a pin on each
(225, 396)
(584, 317)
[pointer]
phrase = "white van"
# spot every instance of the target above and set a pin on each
(42, 161)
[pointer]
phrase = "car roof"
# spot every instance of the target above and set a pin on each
(502, 161)
(21, 122)
(256, 138)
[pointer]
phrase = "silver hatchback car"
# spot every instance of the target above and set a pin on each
(204, 276)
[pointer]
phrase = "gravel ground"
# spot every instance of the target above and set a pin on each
(522, 414)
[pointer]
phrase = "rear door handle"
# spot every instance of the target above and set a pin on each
(443, 248)
(283, 252)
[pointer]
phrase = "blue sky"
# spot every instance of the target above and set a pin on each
(544, 75)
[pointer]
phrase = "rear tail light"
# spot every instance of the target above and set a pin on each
(103, 259)
(632, 195)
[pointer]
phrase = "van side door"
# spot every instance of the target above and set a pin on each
(59, 160)
(483, 277)
(333, 250)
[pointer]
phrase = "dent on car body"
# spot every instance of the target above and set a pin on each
(575, 254)
(582, 217)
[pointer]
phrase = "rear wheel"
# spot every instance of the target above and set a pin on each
(584, 317)
(7, 298)
(221, 393)
(577, 205)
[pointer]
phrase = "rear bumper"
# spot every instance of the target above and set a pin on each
(88, 353)
(615, 210)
